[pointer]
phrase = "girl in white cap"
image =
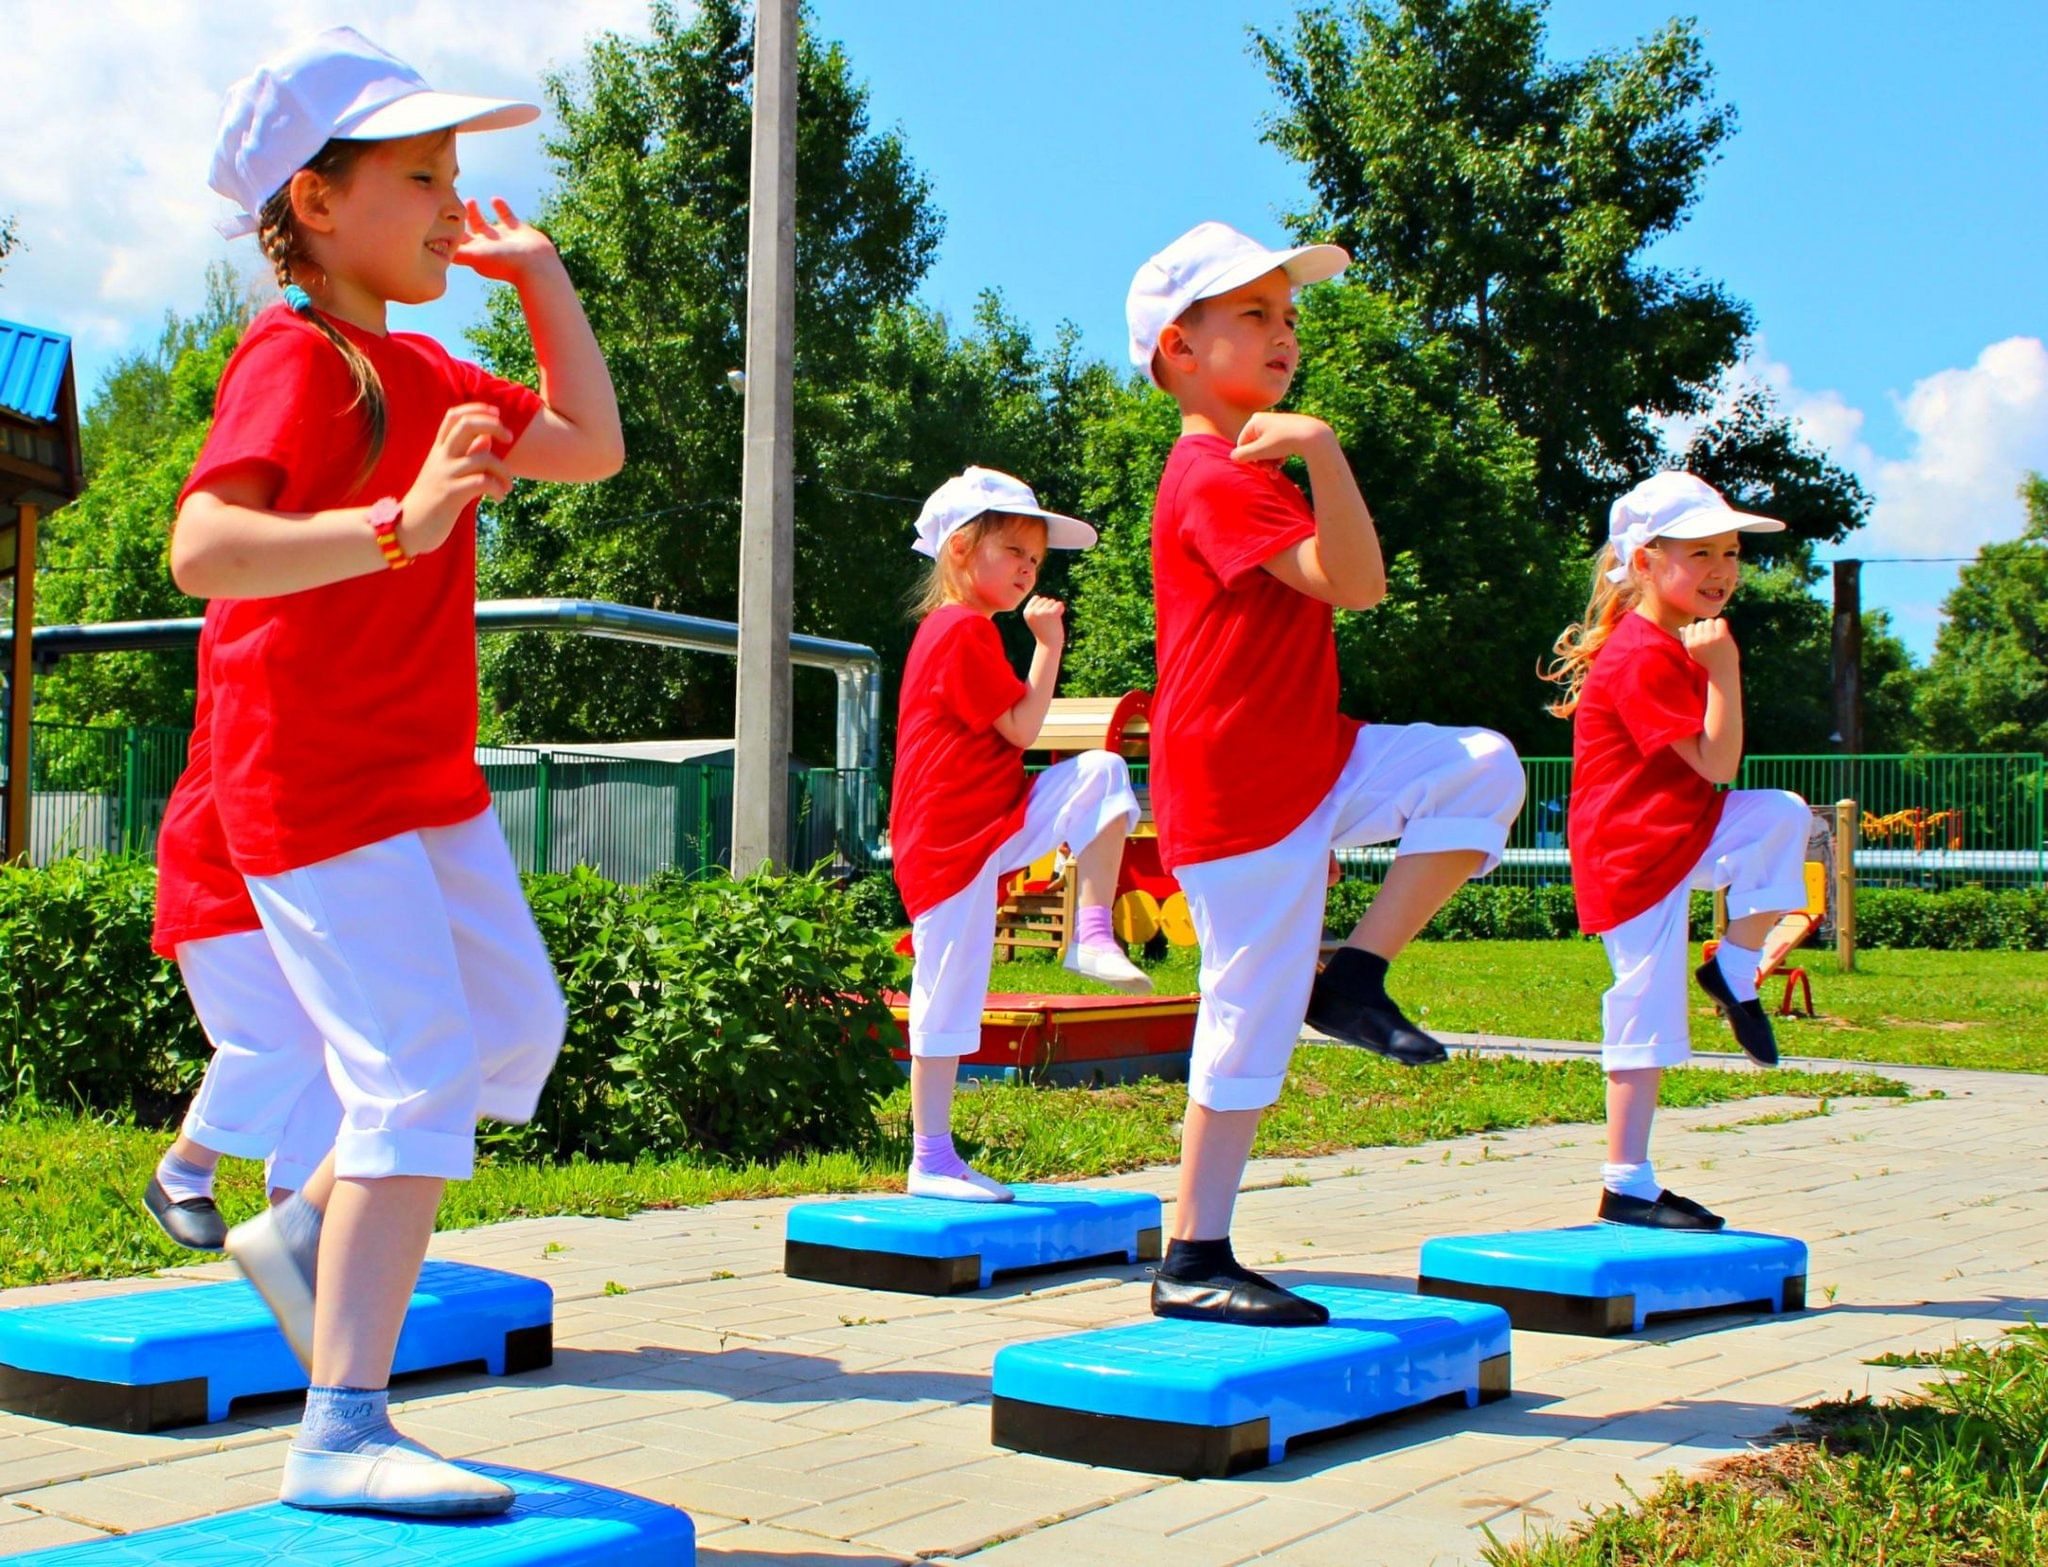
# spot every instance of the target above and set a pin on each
(330, 522)
(1653, 686)
(963, 813)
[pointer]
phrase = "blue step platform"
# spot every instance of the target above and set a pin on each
(157, 1358)
(924, 1246)
(1206, 1399)
(554, 1523)
(1604, 1279)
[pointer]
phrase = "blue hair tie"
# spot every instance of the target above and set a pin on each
(298, 299)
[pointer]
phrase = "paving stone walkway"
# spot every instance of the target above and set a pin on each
(809, 1424)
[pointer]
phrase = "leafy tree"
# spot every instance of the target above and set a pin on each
(1986, 688)
(105, 553)
(9, 237)
(650, 216)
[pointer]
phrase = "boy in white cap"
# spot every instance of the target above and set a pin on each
(963, 814)
(1653, 686)
(1257, 778)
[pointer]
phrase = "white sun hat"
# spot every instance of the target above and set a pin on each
(967, 495)
(1674, 505)
(1211, 259)
(336, 83)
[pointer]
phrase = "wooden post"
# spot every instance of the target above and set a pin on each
(1848, 657)
(1848, 825)
(15, 845)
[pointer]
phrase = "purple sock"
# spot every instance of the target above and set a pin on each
(1093, 929)
(936, 1155)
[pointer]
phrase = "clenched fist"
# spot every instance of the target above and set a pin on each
(1047, 620)
(1711, 644)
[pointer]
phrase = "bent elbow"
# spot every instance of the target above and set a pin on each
(609, 458)
(1364, 596)
(188, 566)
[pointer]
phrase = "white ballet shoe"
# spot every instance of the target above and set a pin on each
(270, 1264)
(1107, 966)
(406, 1478)
(971, 1187)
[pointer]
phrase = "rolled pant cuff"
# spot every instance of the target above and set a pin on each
(258, 1144)
(1449, 835)
(959, 1044)
(1781, 899)
(1639, 1058)
(1234, 1093)
(387, 1151)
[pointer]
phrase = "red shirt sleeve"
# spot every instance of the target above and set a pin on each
(1237, 516)
(275, 409)
(973, 678)
(1659, 698)
(518, 405)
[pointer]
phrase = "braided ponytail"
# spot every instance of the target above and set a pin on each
(284, 247)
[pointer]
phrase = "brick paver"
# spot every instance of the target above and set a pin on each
(805, 1423)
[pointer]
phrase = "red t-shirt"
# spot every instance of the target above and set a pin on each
(1641, 815)
(199, 893)
(344, 714)
(960, 787)
(1246, 736)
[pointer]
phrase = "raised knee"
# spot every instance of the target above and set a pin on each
(1498, 763)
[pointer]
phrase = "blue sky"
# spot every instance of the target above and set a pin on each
(1882, 206)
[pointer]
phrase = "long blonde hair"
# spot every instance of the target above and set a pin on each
(277, 231)
(941, 583)
(1585, 637)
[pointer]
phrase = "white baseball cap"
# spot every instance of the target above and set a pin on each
(336, 83)
(1211, 259)
(967, 495)
(1674, 505)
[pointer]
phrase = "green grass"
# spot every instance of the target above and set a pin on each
(1955, 1478)
(1967, 1009)
(70, 1185)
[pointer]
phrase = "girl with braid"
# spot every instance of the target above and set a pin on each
(331, 524)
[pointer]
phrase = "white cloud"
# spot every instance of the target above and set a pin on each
(109, 113)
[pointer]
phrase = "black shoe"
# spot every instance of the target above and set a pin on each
(1353, 1013)
(1669, 1212)
(195, 1223)
(1748, 1019)
(1248, 1300)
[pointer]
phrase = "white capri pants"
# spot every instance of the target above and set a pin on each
(1758, 852)
(1074, 802)
(265, 1094)
(1259, 916)
(418, 960)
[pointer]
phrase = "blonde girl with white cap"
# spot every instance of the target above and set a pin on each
(331, 524)
(963, 813)
(1653, 686)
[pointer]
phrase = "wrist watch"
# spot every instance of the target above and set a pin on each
(384, 516)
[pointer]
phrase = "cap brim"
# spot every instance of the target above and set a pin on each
(418, 113)
(1711, 520)
(1061, 532)
(1303, 265)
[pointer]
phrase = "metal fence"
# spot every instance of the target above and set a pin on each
(103, 790)
(1928, 821)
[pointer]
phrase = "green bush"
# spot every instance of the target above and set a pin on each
(1966, 919)
(872, 900)
(88, 1014)
(759, 1027)
(1481, 911)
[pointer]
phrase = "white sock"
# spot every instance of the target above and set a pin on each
(1738, 967)
(181, 1180)
(1631, 1180)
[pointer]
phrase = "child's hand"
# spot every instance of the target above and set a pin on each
(505, 250)
(1048, 623)
(461, 467)
(1271, 437)
(1711, 644)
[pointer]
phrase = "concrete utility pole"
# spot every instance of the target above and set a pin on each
(760, 806)
(1848, 656)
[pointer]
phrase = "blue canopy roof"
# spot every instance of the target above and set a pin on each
(32, 364)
